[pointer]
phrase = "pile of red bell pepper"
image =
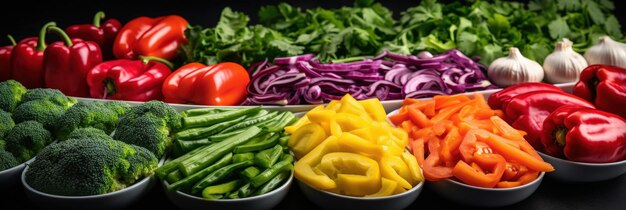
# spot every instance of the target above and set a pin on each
(136, 63)
(569, 125)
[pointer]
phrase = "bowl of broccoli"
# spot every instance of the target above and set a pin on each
(10, 170)
(18, 145)
(89, 169)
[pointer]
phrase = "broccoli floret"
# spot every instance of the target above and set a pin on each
(6, 123)
(26, 139)
(86, 114)
(149, 126)
(78, 167)
(44, 111)
(159, 110)
(11, 93)
(118, 107)
(142, 163)
(7, 160)
(3, 144)
(53, 95)
(146, 131)
(89, 133)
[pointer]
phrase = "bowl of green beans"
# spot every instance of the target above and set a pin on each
(266, 197)
(229, 159)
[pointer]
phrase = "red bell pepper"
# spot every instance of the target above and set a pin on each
(605, 87)
(131, 80)
(27, 60)
(222, 84)
(158, 37)
(5, 60)
(103, 34)
(585, 135)
(499, 99)
(66, 64)
(528, 111)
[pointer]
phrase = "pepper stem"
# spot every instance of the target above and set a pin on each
(62, 34)
(41, 41)
(560, 136)
(97, 18)
(109, 87)
(146, 59)
(594, 83)
(12, 40)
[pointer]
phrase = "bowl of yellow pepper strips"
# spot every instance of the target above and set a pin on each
(468, 153)
(349, 156)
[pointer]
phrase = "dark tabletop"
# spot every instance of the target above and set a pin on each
(553, 195)
(25, 19)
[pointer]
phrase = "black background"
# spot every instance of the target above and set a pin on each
(24, 18)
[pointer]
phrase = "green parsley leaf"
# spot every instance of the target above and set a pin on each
(558, 28)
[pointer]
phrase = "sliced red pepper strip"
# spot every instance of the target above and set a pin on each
(433, 170)
(494, 165)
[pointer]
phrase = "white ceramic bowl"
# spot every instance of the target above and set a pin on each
(11, 177)
(570, 171)
(261, 202)
(333, 201)
(113, 200)
(484, 197)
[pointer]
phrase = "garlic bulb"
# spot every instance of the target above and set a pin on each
(514, 69)
(607, 52)
(563, 65)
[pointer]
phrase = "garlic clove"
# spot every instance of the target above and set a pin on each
(607, 52)
(514, 69)
(564, 64)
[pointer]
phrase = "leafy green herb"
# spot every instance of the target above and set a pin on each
(478, 28)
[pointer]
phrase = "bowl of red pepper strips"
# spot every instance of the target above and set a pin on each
(484, 197)
(469, 154)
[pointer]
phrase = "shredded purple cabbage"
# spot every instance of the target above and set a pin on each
(303, 80)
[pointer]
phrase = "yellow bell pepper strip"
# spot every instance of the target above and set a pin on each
(354, 174)
(352, 106)
(394, 168)
(374, 109)
(333, 105)
(351, 143)
(344, 122)
(349, 148)
(306, 170)
(415, 170)
(305, 139)
(388, 188)
(304, 120)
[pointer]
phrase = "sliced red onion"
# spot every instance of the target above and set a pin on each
(293, 59)
(255, 67)
(425, 93)
(328, 79)
(332, 75)
(388, 76)
(306, 68)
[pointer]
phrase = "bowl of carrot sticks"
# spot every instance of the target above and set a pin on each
(468, 153)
